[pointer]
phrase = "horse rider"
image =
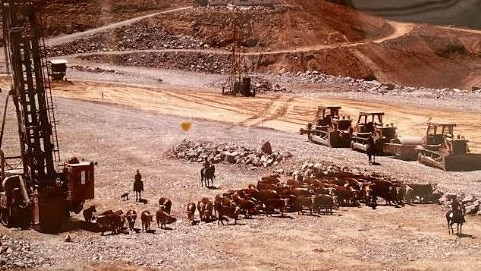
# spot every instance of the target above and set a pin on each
(206, 163)
(138, 186)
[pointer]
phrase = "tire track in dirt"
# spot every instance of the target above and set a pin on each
(274, 110)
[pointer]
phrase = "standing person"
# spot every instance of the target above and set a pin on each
(371, 149)
(138, 186)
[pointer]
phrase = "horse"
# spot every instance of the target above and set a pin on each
(455, 216)
(206, 174)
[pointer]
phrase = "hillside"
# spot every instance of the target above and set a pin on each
(68, 16)
(300, 36)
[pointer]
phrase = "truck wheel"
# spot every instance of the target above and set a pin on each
(4, 217)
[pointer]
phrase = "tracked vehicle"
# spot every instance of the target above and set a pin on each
(371, 124)
(442, 149)
(329, 128)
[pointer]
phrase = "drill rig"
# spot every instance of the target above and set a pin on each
(37, 190)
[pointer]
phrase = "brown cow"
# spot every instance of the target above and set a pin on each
(88, 213)
(423, 193)
(272, 204)
(146, 219)
(247, 207)
(300, 202)
(264, 195)
(231, 211)
(206, 209)
(110, 221)
(121, 222)
(163, 218)
(191, 211)
(131, 217)
(105, 223)
(383, 189)
(165, 204)
(325, 202)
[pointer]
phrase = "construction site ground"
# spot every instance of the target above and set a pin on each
(125, 128)
(127, 119)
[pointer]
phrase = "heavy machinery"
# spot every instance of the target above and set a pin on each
(36, 190)
(370, 124)
(237, 82)
(330, 128)
(442, 149)
(403, 147)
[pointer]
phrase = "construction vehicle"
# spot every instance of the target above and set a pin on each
(330, 128)
(37, 190)
(371, 124)
(442, 149)
(403, 147)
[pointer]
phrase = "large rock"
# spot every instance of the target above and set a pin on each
(230, 157)
(266, 147)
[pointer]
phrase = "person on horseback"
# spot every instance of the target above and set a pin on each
(456, 215)
(138, 186)
(207, 172)
(206, 163)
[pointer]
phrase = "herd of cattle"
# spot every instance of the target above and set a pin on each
(270, 195)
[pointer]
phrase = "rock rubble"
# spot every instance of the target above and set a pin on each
(229, 153)
(18, 254)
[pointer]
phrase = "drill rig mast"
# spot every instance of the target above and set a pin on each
(37, 194)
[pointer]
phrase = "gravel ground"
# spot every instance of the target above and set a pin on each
(122, 140)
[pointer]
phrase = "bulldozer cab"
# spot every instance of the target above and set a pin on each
(440, 136)
(326, 114)
(343, 123)
(437, 132)
(369, 121)
(388, 131)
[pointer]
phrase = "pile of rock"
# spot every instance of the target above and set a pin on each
(94, 70)
(187, 61)
(364, 85)
(140, 36)
(470, 202)
(18, 254)
(263, 156)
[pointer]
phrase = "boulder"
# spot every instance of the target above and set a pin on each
(266, 147)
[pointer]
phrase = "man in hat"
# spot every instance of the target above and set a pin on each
(138, 186)
(371, 149)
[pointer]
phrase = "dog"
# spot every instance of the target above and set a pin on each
(125, 196)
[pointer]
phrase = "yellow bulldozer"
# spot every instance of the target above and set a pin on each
(442, 149)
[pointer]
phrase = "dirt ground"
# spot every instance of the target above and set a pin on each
(125, 127)
(132, 127)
